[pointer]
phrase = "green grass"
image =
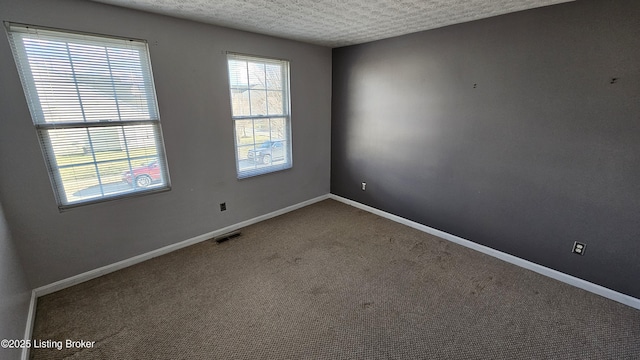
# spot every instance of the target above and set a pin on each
(112, 169)
(63, 160)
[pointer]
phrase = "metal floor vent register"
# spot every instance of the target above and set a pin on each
(228, 236)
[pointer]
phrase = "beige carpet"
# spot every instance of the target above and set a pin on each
(330, 281)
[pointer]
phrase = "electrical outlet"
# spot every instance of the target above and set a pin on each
(364, 186)
(579, 248)
(223, 206)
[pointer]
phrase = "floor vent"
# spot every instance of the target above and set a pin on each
(228, 236)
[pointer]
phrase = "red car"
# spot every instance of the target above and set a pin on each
(144, 175)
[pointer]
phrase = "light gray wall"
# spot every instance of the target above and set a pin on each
(189, 66)
(544, 151)
(14, 292)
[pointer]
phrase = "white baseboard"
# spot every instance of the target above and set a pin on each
(92, 274)
(31, 317)
(554, 274)
(80, 278)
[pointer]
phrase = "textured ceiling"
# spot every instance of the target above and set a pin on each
(333, 22)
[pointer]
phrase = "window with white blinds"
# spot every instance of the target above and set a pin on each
(93, 104)
(259, 90)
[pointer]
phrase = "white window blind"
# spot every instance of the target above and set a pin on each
(259, 90)
(93, 104)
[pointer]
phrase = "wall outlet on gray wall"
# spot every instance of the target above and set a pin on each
(223, 206)
(579, 248)
(364, 186)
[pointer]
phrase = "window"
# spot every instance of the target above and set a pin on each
(260, 107)
(93, 104)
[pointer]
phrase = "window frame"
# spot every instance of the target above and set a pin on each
(286, 115)
(42, 127)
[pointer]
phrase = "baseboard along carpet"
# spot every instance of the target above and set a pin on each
(330, 281)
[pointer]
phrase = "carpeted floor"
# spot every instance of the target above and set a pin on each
(330, 281)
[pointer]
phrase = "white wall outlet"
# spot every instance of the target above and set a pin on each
(364, 186)
(579, 248)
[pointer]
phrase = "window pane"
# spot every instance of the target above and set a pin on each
(91, 73)
(93, 102)
(258, 102)
(80, 81)
(50, 64)
(262, 143)
(244, 162)
(144, 173)
(238, 76)
(261, 128)
(274, 77)
(142, 140)
(278, 129)
(80, 182)
(244, 132)
(245, 140)
(254, 139)
(279, 152)
(70, 144)
(130, 85)
(107, 143)
(257, 76)
(274, 103)
(111, 179)
(240, 105)
(104, 161)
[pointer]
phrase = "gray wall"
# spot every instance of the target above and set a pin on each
(14, 292)
(542, 153)
(189, 65)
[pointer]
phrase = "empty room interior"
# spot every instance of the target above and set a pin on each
(250, 179)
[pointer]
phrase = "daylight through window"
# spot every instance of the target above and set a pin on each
(93, 103)
(260, 107)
